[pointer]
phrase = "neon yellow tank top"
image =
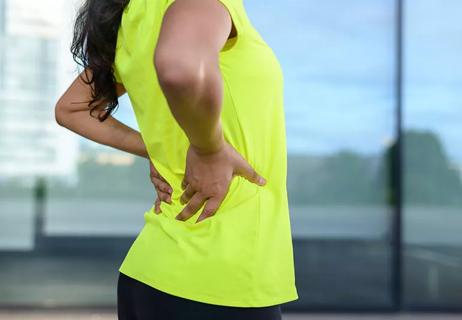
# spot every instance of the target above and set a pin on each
(242, 256)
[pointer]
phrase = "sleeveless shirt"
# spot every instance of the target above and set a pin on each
(242, 256)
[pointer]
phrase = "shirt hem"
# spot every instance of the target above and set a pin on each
(201, 297)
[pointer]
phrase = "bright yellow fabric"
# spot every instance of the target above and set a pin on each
(243, 255)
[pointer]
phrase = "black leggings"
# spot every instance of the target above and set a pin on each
(139, 301)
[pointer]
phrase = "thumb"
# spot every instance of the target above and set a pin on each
(250, 174)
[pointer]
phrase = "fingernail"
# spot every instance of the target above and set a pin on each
(261, 180)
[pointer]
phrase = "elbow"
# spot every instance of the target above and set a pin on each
(176, 78)
(178, 74)
(60, 114)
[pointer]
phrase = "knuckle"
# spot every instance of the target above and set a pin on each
(213, 190)
(208, 212)
(196, 187)
(196, 201)
(194, 182)
(200, 194)
(216, 189)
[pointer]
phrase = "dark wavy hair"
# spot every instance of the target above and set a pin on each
(93, 47)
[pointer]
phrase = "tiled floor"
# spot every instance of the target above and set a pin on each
(55, 315)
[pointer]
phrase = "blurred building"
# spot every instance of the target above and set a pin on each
(32, 74)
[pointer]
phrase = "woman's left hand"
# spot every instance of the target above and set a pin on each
(163, 189)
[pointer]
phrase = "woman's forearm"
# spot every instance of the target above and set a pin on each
(72, 112)
(194, 91)
(110, 132)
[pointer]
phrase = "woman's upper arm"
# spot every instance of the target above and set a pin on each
(192, 30)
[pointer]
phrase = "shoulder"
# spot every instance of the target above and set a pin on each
(205, 24)
(210, 8)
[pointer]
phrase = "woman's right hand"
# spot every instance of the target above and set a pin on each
(163, 188)
(208, 176)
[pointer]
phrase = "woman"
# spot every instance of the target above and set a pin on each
(207, 93)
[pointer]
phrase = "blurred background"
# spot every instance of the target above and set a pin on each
(373, 106)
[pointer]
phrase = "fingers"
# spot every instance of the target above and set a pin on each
(153, 171)
(157, 206)
(163, 196)
(158, 180)
(184, 183)
(245, 170)
(210, 208)
(160, 196)
(192, 207)
(163, 189)
(187, 194)
(161, 185)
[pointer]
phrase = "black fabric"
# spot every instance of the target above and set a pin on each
(139, 301)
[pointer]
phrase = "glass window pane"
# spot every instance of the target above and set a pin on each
(433, 157)
(340, 118)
